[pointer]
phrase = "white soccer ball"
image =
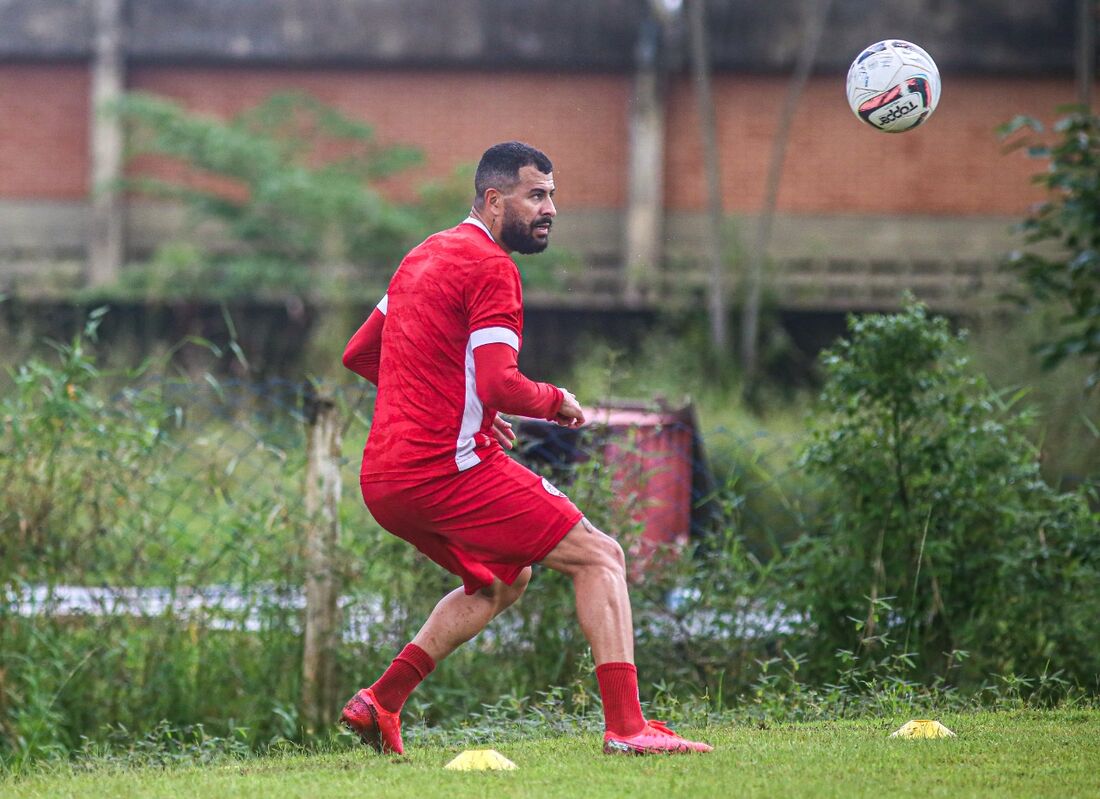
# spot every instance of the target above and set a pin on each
(893, 86)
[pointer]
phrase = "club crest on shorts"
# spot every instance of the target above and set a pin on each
(550, 489)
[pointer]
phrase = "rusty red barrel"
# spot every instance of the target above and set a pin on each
(651, 457)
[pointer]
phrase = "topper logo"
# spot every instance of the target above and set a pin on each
(898, 111)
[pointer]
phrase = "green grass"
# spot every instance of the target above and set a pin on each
(1052, 753)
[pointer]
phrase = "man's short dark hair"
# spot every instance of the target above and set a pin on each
(500, 165)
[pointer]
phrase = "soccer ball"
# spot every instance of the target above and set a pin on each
(893, 86)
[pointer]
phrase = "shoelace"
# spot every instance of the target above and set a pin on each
(659, 726)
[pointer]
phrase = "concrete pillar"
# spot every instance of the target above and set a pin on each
(1086, 51)
(644, 228)
(106, 234)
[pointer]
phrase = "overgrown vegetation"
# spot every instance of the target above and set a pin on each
(937, 531)
(906, 555)
(287, 187)
(291, 197)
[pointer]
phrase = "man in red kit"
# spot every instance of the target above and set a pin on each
(442, 347)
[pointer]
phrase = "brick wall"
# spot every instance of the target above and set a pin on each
(835, 164)
(580, 120)
(44, 119)
(952, 166)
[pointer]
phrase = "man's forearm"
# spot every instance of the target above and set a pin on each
(501, 385)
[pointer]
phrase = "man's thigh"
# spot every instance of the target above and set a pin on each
(501, 511)
(492, 520)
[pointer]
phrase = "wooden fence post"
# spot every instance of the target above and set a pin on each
(322, 500)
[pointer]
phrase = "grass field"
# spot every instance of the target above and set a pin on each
(1007, 754)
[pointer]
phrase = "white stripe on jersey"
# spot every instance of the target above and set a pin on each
(472, 414)
(473, 411)
(384, 303)
(494, 335)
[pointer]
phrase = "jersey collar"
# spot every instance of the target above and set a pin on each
(479, 224)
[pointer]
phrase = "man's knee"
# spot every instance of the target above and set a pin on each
(585, 549)
(616, 558)
(604, 552)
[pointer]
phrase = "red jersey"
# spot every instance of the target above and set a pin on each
(454, 293)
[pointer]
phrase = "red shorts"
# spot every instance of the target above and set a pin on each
(490, 521)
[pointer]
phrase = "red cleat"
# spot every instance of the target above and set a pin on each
(376, 727)
(654, 739)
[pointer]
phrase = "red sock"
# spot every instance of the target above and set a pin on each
(622, 713)
(404, 674)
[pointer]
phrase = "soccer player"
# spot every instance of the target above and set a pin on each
(442, 347)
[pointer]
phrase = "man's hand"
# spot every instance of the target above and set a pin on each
(502, 430)
(570, 414)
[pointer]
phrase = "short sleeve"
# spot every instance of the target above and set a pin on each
(494, 297)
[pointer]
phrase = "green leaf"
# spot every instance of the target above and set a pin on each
(291, 182)
(1017, 123)
(1062, 260)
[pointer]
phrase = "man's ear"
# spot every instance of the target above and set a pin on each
(494, 201)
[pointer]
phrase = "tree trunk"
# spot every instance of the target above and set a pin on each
(708, 130)
(817, 12)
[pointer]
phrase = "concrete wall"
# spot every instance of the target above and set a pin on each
(988, 36)
(453, 77)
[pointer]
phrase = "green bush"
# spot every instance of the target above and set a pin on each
(1061, 261)
(938, 535)
(280, 190)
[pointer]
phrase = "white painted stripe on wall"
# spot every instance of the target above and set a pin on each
(472, 413)
(384, 303)
(494, 335)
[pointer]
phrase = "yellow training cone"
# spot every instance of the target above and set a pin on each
(481, 760)
(922, 728)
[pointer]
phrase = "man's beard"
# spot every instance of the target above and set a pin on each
(519, 236)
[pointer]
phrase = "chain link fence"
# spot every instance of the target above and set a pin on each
(196, 550)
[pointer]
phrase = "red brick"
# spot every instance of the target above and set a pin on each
(44, 118)
(953, 165)
(579, 120)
